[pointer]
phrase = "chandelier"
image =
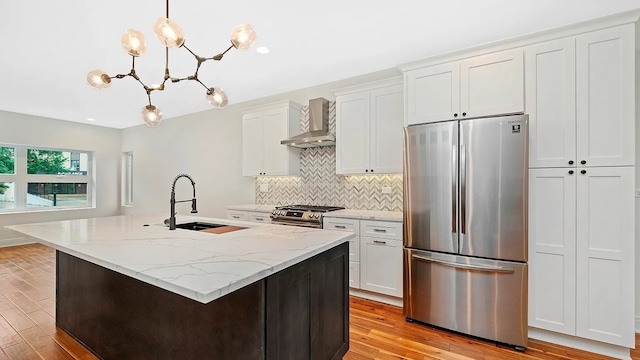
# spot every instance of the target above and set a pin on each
(170, 35)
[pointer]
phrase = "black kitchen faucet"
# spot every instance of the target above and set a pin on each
(172, 218)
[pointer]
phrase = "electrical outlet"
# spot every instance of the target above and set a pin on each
(264, 187)
(386, 189)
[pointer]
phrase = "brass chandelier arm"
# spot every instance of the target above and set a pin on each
(219, 56)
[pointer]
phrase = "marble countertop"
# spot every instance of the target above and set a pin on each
(198, 265)
(252, 207)
(366, 215)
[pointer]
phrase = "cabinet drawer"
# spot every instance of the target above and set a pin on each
(237, 215)
(342, 224)
(354, 274)
(260, 217)
(381, 229)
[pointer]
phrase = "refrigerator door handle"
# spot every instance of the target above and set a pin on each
(454, 199)
(496, 269)
(463, 188)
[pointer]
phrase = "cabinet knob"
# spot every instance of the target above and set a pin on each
(570, 162)
(455, 115)
(371, 170)
(570, 172)
(366, 170)
(464, 114)
(583, 171)
(583, 162)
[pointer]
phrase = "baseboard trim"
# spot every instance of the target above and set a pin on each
(618, 352)
(15, 242)
(391, 300)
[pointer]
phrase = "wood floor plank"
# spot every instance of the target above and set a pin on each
(8, 335)
(23, 303)
(71, 346)
(22, 351)
(17, 319)
(44, 345)
(44, 321)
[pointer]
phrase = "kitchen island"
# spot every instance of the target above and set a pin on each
(128, 287)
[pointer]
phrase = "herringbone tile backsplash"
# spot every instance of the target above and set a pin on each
(318, 183)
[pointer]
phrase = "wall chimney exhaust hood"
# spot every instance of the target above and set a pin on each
(318, 134)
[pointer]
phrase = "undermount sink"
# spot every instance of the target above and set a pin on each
(198, 226)
(209, 227)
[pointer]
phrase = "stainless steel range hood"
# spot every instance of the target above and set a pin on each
(318, 134)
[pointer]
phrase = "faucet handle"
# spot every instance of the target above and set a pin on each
(194, 210)
(166, 222)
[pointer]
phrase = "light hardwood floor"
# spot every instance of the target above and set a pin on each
(377, 331)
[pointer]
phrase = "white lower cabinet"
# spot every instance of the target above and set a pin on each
(381, 265)
(354, 245)
(375, 254)
(581, 258)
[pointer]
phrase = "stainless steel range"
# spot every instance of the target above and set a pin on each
(301, 215)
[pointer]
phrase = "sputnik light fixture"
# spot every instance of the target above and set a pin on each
(170, 35)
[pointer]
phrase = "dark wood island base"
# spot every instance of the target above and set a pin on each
(301, 312)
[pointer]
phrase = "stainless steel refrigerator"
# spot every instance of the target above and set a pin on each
(465, 226)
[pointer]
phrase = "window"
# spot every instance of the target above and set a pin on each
(127, 179)
(34, 179)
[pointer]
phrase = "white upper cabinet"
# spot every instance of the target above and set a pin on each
(262, 130)
(483, 85)
(433, 93)
(492, 84)
(551, 103)
(369, 121)
(605, 95)
(580, 100)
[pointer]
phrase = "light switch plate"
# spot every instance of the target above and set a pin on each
(386, 189)
(264, 187)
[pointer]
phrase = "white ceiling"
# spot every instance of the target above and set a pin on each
(49, 46)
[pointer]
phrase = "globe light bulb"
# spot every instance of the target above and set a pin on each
(168, 32)
(242, 36)
(151, 115)
(98, 79)
(217, 97)
(133, 42)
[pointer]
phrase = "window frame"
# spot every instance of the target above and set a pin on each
(21, 179)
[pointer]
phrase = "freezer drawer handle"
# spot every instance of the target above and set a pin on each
(379, 242)
(340, 227)
(380, 230)
(497, 269)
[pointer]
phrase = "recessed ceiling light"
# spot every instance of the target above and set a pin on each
(262, 50)
(91, 119)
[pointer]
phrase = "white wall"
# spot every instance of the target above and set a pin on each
(637, 274)
(38, 131)
(208, 146)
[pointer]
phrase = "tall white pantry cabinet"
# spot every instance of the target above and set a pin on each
(578, 86)
(580, 97)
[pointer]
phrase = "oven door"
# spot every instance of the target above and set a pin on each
(307, 224)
